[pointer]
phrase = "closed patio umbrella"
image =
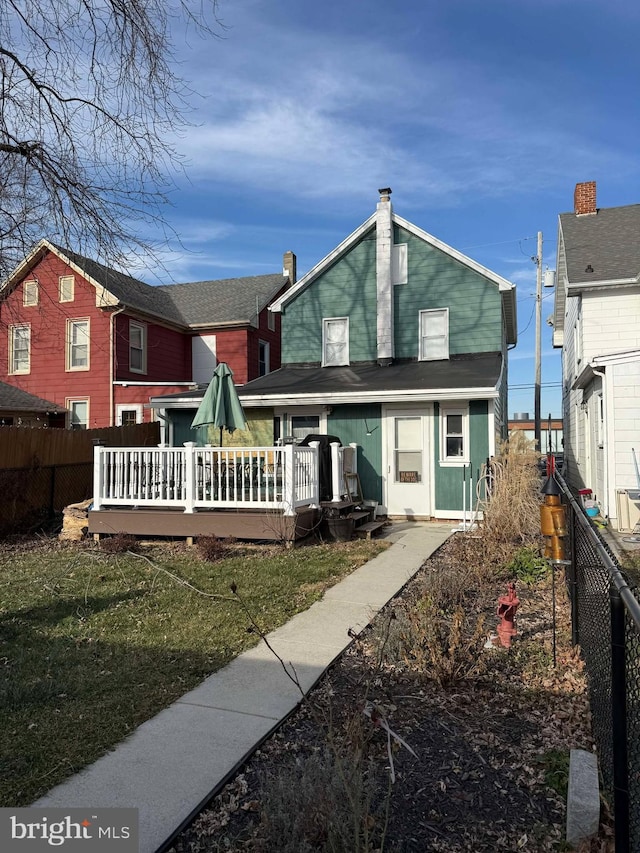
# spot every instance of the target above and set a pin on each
(220, 405)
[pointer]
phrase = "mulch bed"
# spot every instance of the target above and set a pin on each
(485, 758)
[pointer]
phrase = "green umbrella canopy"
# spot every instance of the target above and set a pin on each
(220, 405)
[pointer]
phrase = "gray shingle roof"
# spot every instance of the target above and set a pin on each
(198, 303)
(477, 371)
(608, 241)
(228, 300)
(15, 399)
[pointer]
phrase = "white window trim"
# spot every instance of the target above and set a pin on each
(399, 264)
(30, 286)
(325, 321)
(134, 324)
(454, 461)
(69, 368)
(423, 313)
(69, 403)
(271, 321)
(285, 415)
(66, 280)
(129, 407)
(12, 330)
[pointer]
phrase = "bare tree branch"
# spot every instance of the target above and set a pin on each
(90, 104)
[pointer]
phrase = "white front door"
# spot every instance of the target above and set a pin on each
(408, 486)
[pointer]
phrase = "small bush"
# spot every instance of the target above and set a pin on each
(322, 803)
(528, 567)
(119, 544)
(445, 646)
(213, 549)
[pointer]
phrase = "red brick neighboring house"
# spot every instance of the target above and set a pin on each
(99, 343)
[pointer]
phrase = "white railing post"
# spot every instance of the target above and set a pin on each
(336, 484)
(189, 478)
(98, 476)
(289, 479)
(315, 474)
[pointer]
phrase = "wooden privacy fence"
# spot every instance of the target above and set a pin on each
(44, 470)
(21, 447)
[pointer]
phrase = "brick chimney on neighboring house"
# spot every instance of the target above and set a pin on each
(289, 267)
(584, 198)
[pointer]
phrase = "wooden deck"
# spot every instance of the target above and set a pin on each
(273, 526)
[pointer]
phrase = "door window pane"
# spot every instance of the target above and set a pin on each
(408, 450)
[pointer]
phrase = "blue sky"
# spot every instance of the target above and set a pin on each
(481, 117)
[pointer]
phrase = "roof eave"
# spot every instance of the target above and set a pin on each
(574, 287)
(389, 396)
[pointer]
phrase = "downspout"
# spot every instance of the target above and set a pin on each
(112, 358)
(607, 444)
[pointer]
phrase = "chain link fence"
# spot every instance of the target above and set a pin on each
(606, 626)
(32, 497)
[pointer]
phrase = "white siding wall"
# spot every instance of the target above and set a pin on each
(625, 385)
(607, 322)
(611, 321)
(574, 444)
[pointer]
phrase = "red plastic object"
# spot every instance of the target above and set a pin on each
(507, 607)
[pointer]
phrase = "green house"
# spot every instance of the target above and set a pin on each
(397, 343)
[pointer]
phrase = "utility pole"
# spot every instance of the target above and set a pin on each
(536, 400)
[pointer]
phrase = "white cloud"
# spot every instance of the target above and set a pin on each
(318, 116)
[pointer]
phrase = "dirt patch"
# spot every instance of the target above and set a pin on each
(478, 766)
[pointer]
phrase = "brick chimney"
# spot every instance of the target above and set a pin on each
(584, 198)
(289, 267)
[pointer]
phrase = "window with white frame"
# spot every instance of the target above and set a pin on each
(454, 435)
(30, 293)
(263, 358)
(66, 287)
(128, 414)
(271, 321)
(335, 341)
(434, 334)
(137, 347)
(399, 267)
(20, 349)
(78, 414)
(78, 344)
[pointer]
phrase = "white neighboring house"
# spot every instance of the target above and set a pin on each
(597, 325)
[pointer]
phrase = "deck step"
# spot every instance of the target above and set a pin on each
(358, 515)
(365, 531)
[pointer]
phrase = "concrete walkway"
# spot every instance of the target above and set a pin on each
(171, 764)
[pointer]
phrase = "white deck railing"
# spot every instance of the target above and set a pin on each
(193, 478)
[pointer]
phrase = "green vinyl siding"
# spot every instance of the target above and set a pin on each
(346, 289)
(448, 479)
(350, 424)
(435, 280)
